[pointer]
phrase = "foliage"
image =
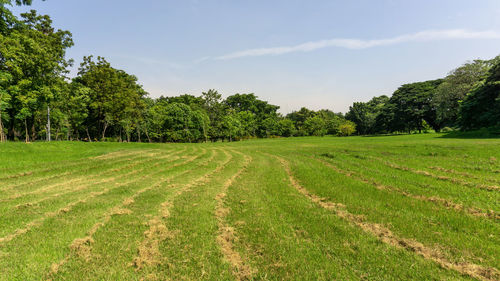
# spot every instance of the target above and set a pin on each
(481, 107)
(346, 129)
(106, 103)
(364, 115)
(115, 96)
(454, 89)
(33, 54)
(315, 126)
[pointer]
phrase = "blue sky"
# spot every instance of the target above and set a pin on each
(291, 53)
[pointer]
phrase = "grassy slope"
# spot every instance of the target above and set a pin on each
(406, 207)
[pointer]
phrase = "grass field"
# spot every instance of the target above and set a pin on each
(418, 207)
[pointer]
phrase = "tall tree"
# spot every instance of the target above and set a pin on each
(34, 55)
(299, 118)
(412, 104)
(364, 114)
(7, 19)
(212, 103)
(115, 96)
(481, 107)
(455, 87)
(4, 102)
(315, 126)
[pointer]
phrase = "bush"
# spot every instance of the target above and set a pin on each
(347, 129)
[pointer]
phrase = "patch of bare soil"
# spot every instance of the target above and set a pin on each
(149, 251)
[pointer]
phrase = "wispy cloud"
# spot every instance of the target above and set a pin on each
(356, 44)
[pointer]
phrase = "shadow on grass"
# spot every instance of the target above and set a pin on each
(485, 133)
(390, 135)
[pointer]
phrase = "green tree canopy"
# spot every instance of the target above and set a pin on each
(412, 104)
(481, 107)
(454, 89)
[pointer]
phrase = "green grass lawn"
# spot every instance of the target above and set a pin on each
(412, 207)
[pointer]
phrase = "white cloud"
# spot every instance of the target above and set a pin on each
(356, 44)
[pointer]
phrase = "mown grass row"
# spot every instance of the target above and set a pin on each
(389, 208)
(23, 258)
(14, 217)
(283, 235)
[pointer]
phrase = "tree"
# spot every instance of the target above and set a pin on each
(250, 102)
(411, 104)
(270, 127)
(333, 125)
(156, 116)
(286, 128)
(261, 110)
(346, 129)
(299, 118)
(248, 123)
(359, 113)
(7, 19)
(115, 96)
(178, 123)
(315, 126)
(33, 53)
(364, 115)
(190, 100)
(384, 122)
(481, 107)
(454, 89)
(231, 126)
(4, 102)
(215, 110)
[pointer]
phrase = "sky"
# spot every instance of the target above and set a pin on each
(321, 54)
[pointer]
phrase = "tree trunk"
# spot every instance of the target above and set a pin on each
(33, 130)
(138, 134)
(11, 131)
(48, 124)
(104, 130)
(3, 138)
(88, 135)
(147, 135)
(26, 129)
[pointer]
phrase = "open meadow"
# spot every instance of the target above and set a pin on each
(414, 207)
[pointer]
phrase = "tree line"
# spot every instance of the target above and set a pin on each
(467, 99)
(38, 100)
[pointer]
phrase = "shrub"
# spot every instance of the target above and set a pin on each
(347, 129)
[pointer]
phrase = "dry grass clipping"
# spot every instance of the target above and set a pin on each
(443, 202)
(386, 236)
(227, 235)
